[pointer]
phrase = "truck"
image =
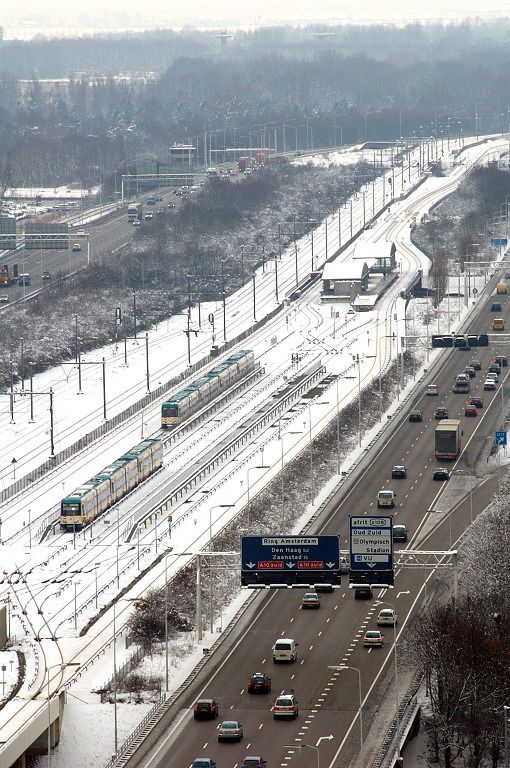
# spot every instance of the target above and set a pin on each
(448, 440)
(135, 211)
(243, 163)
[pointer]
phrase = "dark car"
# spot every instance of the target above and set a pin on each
(441, 473)
(470, 410)
(259, 683)
(441, 413)
(496, 306)
(46, 276)
(476, 364)
(203, 762)
(399, 533)
(399, 471)
(253, 761)
(494, 368)
(415, 415)
(502, 360)
(205, 709)
(477, 402)
(363, 593)
(470, 371)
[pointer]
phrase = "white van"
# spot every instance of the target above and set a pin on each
(386, 498)
(285, 649)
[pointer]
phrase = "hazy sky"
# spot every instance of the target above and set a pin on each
(230, 11)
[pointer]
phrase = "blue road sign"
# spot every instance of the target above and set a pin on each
(371, 542)
(499, 241)
(267, 560)
(499, 438)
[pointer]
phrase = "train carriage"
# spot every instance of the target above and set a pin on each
(84, 504)
(188, 401)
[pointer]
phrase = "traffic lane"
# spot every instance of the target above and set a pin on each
(316, 631)
(307, 677)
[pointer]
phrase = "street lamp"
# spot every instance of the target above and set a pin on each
(310, 746)
(342, 668)
(397, 712)
(216, 506)
(259, 466)
(61, 667)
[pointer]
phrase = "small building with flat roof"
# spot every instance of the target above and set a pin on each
(343, 280)
(380, 256)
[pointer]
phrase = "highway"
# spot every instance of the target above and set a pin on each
(328, 700)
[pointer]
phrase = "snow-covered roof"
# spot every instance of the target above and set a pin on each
(344, 270)
(379, 250)
(365, 301)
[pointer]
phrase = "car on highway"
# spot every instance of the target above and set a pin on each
(205, 709)
(415, 415)
(477, 402)
(498, 324)
(470, 371)
(285, 706)
(386, 499)
(46, 275)
(494, 368)
(137, 223)
(259, 683)
(399, 533)
(149, 216)
(502, 360)
(496, 306)
(432, 390)
(470, 410)
(311, 600)
(399, 472)
(363, 593)
(489, 385)
(325, 586)
(253, 761)
(441, 413)
(203, 762)
(440, 473)
(476, 364)
(492, 376)
(4, 299)
(373, 638)
(170, 205)
(387, 618)
(285, 649)
(230, 730)
(76, 248)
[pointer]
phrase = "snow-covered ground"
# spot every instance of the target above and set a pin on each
(304, 328)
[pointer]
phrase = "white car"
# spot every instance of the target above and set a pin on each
(149, 216)
(387, 618)
(285, 706)
(373, 639)
(432, 389)
(137, 223)
(285, 649)
(489, 384)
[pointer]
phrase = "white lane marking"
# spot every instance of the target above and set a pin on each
(302, 661)
(261, 726)
(310, 648)
(328, 620)
(231, 706)
(292, 619)
(242, 692)
(263, 661)
(308, 721)
(336, 606)
(204, 745)
(314, 711)
(292, 677)
(320, 633)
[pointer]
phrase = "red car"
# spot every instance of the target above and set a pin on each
(470, 410)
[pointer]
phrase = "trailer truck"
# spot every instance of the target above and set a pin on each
(448, 440)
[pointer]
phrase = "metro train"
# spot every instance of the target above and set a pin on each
(111, 484)
(211, 384)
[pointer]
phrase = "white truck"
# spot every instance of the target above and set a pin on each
(386, 498)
